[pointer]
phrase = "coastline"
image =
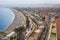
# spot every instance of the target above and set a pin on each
(11, 21)
(16, 23)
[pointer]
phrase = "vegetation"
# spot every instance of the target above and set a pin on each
(19, 31)
(53, 36)
(2, 34)
(11, 38)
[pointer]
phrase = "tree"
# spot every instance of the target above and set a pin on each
(11, 38)
(19, 31)
(2, 34)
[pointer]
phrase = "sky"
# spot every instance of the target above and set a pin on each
(25, 2)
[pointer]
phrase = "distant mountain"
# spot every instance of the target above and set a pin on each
(32, 5)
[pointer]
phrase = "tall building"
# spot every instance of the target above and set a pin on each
(58, 28)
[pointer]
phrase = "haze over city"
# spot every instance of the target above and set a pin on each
(29, 3)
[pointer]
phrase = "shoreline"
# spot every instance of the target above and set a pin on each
(16, 23)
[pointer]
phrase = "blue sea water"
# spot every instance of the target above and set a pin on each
(6, 18)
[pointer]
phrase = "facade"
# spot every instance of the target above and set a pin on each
(58, 28)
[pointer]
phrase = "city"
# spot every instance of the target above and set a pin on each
(32, 24)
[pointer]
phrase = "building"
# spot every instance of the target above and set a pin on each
(58, 28)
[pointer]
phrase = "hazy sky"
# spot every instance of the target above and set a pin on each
(12, 2)
(29, 1)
